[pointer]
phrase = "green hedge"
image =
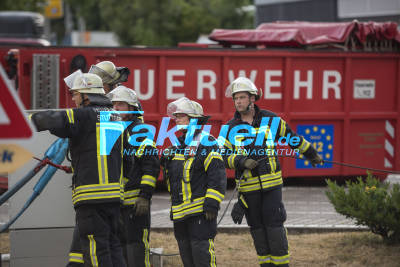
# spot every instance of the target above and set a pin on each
(371, 203)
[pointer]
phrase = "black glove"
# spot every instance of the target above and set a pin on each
(210, 215)
(250, 164)
(142, 206)
(317, 160)
(237, 213)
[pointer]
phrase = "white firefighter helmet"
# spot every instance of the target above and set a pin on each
(185, 106)
(124, 94)
(242, 84)
(87, 83)
(106, 70)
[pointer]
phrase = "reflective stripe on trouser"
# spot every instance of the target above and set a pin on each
(195, 236)
(261, 245)
(267, 212)
(98, 226)
(75, 252)
(135, 231)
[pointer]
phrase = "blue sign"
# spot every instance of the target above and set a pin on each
(321, 137)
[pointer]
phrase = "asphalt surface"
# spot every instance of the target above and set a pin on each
(306, 207)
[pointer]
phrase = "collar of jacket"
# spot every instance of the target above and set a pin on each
(257, 115)
(182, 138)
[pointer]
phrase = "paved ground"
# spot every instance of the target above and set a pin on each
(306, 207)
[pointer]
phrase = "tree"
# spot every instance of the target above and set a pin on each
(162, 22)
(22, 5)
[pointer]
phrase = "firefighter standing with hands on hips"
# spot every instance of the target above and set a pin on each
(196, 181)
(96, 182)
(141, 167)
(259, 176)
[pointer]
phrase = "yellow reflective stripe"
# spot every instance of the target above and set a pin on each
(76, 257)
(283, 128)
(132, 193)
(264, 259)
(95, 187)
(94, 196)
(70, 114)
(224, 142)
(278, 260)
(211, 249)
(186, 188)
(179, 157)
(145, 142)
(99, 157)
(181, 214)
(267, 181)
(211, 193)
(185, 205)
(146, 248)
(243, 201)
(149, 180)
(231, 161)
(210, 157)
(131, 196)
(304, 146)
(92, 248)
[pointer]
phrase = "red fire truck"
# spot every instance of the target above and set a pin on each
(347, 103)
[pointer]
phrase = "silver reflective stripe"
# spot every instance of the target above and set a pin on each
(96, 187)
(216, 196)
(186, 205)
(182, 214)
(96, 196)
(92, 246)
(280, 259)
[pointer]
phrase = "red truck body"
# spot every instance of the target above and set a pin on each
(346, 103)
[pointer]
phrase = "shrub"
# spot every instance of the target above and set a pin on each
(372, 203)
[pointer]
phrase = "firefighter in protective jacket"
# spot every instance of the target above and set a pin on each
(141, 168)
(97, 180)
(258, 173)
(196, 181)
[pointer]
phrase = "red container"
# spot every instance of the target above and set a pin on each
(346, 103)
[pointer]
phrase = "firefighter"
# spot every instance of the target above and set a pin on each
(110, 75)
(141, 167)
(259, 174)
(196, 181)
(97, 180)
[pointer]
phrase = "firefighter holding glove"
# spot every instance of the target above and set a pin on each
(259, 176)
(196, 181)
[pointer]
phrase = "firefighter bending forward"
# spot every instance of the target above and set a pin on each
(141, 167)
(259, 174)
(196, 181)
(97, 181)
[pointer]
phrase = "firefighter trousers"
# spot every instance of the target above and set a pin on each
(195, 237)
(265, 216)
(134, 236)
(96, 236)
